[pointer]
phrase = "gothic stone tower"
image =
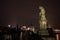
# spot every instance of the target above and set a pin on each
(43, 24)
(43, 21)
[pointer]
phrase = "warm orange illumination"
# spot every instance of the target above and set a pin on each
(57, 30)
(57, 36)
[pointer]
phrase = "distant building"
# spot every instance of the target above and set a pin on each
(43, 25)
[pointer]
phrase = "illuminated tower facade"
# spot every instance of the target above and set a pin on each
(43, 24)
(43, 21)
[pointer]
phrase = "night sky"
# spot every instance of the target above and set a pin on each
(23, 12)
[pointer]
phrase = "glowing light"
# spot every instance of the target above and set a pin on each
(9, 25)
(23, 27)
(57, 37)
(56, 30)
(28, 28)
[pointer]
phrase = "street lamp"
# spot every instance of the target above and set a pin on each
(9, 25)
